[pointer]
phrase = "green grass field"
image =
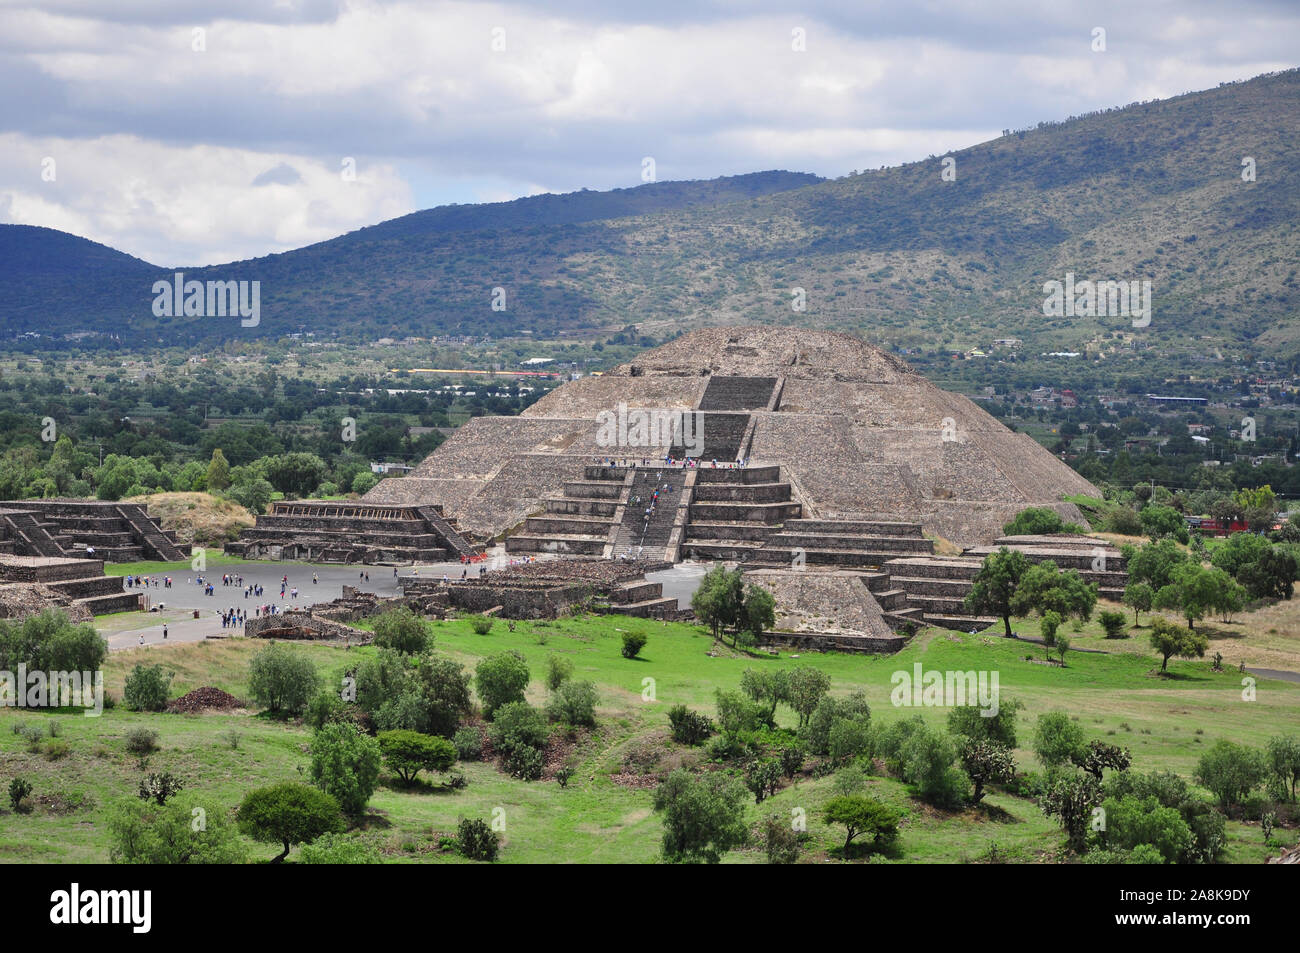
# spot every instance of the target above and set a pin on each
(1166, 722)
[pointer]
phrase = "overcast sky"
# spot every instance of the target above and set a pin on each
(123, 124)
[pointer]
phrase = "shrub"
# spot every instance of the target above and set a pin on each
(409, 752)
(482, 625)
(288, 814)
(325, 706)
(19, 788)
(144, 832)
(403, 631)
(762, 775)
(1113, 623)
(633, 643)
(338, 849)
(282, 679)
(526, 764)
(558, 670)
(1230, 771)
(1056, 739)
(141, 740)
(928, 765)
(780, 840)
(817, 732)
(476, 840)
(848, 739)
(32, 734)
(345, 765)
(689, 727)
(574, 703)
(468, 743)
(147, 688)
(500, 680)
(519, 733)
(160, 788)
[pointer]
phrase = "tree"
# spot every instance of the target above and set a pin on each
(1056, 738)
(296, 474)
(558, 670)
(928, 763)
(805, 690)
(1169, 640)
(403, 631)
(1230, 771)
(145, 832)
(1159, 522)
(758, 613)
(501, 679)
(282, 679)
(1271, 576)
(762, 775)
(704, 817)
(1139, 596)
(1045, 588)
(1096, 756)
(1153, 563)
(981, 724)
(863, 815)
(218, 472)
(996, 583)
(345, 765)
(719, 599)
(830, 712)
(767, 688)
(1039, 521)
(1071, 799)
(288, 814)
(1284, 760)
(409, 752)
(147, 687)
(1193, 591)
(985, 762)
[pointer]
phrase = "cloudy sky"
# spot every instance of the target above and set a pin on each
(198, 132)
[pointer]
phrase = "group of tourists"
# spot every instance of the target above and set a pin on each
(672, 463)
(233, 618)
(144, 582)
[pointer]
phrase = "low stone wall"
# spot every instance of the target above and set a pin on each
(296, 624)
(830, 642)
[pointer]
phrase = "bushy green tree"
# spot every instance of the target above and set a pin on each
(501, 679)
(147, 688)
(345, 764)
(403, 631)
(1231, 771)
(704, 817)
(573, 703)
(282, 679)
(861, 815)
(1057, 739)
(995, 585)
(407, 753)
(1169, 640)
(288, 814)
